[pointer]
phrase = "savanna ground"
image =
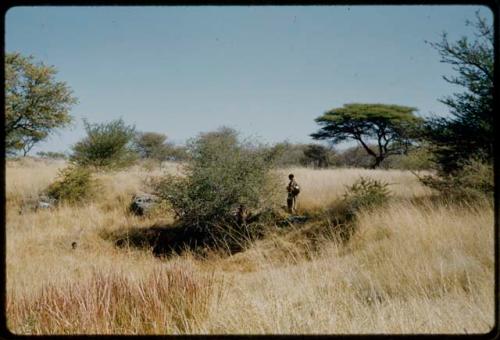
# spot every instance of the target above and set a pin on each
(418, 265)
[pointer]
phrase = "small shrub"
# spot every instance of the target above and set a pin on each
(366, 193)
(74, 184)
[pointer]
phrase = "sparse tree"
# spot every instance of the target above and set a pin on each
(392, 127)
(35, 102)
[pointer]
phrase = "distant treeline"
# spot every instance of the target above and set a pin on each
(319, 156)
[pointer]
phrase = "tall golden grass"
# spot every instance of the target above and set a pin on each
(415, 266)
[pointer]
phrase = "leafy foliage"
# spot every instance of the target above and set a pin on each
(318, 156)
(470, 130)
(74, 184)
(285, 154)
(223, 176)
(474, 180)
(366, 193)
(107, 145)
(153, 146)
(393, 127)
(35, 102)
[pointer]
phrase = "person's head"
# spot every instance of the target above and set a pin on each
(290, 176)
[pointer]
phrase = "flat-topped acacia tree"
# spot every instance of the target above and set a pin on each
(392, 128)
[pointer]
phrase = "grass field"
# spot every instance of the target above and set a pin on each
(415, 266)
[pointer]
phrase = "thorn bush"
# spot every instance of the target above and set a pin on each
(366, 193)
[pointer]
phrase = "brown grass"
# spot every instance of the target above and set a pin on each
(410, 267)
(113, 303)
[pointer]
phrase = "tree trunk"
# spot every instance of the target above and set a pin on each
(377, 162)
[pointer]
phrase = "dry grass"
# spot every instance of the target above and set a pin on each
(320, 188)
(168, 300)
(409, 268)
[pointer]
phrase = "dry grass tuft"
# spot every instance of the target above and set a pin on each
(170, 300)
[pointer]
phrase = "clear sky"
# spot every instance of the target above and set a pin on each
(266, 71)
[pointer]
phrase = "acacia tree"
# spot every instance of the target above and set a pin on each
(35, 103)
(392, 127)
(469, 130)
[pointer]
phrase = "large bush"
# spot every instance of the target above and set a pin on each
(224, 181)
(106, 146)
(74, 184)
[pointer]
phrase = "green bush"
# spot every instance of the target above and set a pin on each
(366, 193)
(74, 184)
(473, 180)
(106, 146)
(222, 177)
(318, 156)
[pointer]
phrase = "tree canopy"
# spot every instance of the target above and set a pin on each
(392, 127)
(317, 155)
(469, 131)
(151, 145)
(107, 145)
(35, 102)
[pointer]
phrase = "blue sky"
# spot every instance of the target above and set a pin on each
(266, 71)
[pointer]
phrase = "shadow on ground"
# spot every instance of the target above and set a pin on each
(163, 240)
(167, 240)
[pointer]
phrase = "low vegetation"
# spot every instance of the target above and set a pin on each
(73, 185)
(413, 265)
